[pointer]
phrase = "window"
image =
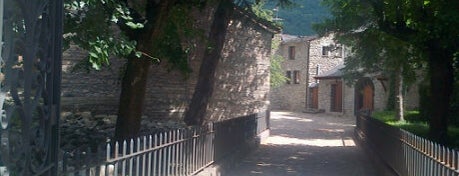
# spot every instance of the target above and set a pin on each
(326, 50)
(291, 52)
(289, 77)
(296, 77)
(339, 52)
(331, 50)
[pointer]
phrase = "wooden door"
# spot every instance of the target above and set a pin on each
(314, 92)
(367, 103)
(336, 103)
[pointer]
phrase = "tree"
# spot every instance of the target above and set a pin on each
(204, 88)
(428, 27)
(277, 76)
(145, 32)
(205, 85)
(375, 52)
(141, 31)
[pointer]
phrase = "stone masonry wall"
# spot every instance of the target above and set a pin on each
(292, 96)
(380, 97)
(89, 90)
(325, 62)
(324, 94)
(242, 84)
(348, 100)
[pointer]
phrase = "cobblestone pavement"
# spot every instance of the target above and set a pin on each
(307, 145)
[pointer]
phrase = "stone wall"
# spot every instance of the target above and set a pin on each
(381, 94)
(242, 84)
(324, 94)
(348, 99)
(379, 99)
(292, 96)
(325, 62)
(89, 90)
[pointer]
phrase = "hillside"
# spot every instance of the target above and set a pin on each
(298, 20)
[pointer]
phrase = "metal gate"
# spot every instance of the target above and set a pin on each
(30, 71)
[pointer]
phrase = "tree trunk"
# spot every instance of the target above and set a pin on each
(205, 85)
(400, 108)
(441, 83)
(134, 82)
(132, 98)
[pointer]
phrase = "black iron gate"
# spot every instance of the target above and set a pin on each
(30, 74)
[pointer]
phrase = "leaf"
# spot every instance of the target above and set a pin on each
(94, 55)
(134, 25)
(138, 54)
(426, 3)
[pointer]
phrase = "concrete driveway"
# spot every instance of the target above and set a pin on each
(307, 145)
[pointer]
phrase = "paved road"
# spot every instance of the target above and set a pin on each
(307, 145)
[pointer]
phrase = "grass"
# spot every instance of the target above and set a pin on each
(414, 124)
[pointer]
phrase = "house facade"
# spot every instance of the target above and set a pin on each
(337, 97)
(292, 95)
(304, 58)
(370, 92)
(320, 86)
(325, 55)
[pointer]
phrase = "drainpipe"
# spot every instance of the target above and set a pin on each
(308, 46)
(317, 72)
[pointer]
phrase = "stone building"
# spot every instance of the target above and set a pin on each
(305, 58)
(292, 95)
(325, 55)
(241, 86)
(316, 85)
(368, 93)
(337, 97)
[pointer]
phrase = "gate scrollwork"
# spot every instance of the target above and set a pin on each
(30, 66)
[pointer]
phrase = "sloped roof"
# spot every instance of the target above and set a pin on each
(269, 26)
(286, 38)
(332, 74)
(313, 85)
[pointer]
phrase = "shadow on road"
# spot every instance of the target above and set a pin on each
(307, 144)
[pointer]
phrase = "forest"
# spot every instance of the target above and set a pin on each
(298, 19)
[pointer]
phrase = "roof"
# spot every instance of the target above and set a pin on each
(269, 26)
(332, 74)
(311, 85)
(286, 38)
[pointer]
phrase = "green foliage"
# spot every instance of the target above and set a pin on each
(410, 34)
(415, 124)
(412, 123)
(455, 98)
(277, 76)
(299, 16)
(259, 10)
(89, 24)
(101, 27)
(174, 43)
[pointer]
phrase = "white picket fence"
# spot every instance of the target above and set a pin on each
(180, 152)
(176, 152)
(405, 153)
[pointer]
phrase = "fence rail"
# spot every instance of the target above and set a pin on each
(176, 152)
(405, 153)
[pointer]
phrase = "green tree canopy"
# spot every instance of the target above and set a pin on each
(144, 32)
(424, 31)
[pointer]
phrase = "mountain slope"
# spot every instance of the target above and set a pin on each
(298, 20)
